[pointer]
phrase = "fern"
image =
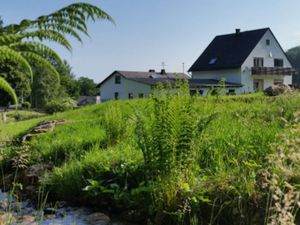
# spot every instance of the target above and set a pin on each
(20, 44)
(7, 88)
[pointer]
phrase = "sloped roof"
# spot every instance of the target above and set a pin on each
(211, 82)
(150, 78)
(228, 51)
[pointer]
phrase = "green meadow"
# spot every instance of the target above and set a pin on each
(169, 159)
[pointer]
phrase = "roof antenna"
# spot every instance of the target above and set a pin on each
(163, 65)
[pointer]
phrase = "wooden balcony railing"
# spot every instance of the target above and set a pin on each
(287, 71)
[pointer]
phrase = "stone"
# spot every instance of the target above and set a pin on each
(27, 220)
(276, 90)
(7, 218)
(98, 219)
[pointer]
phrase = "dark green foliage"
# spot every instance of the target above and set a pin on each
(26, 105)
(87, 87)
(60, 105)
(294, 57)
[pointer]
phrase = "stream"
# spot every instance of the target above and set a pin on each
(24, 213)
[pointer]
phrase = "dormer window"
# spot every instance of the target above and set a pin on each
(212, 61)
(268, 42)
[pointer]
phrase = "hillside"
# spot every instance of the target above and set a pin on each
(169, 159)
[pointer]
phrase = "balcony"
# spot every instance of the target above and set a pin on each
(273, 71)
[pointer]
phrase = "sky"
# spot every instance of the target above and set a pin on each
(149, 32)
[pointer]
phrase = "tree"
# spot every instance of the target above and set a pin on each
(68, 80)
(22, 45)
(87, 87)
(294, 56)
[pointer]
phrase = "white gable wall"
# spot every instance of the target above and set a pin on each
(263, 50)
(108, 88)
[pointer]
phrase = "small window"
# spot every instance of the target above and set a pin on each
(278, 81)
(268, 42)
(231, 92)
(212, 61)
(258, 62)
(130, 95)
(141, 95)
(193, 92)
(117, 79)
(116, 95)
(201, 92)
(278, 62)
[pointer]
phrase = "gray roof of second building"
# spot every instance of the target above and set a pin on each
(150, 78)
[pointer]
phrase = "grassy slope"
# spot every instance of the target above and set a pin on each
(233, 147)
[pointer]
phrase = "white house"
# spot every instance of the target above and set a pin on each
(248, 61)
(132, 84)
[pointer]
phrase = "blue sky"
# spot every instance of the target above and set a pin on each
(149, 32)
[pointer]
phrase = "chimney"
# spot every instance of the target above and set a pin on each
(163, 72)
(237, 31)
(151, 71)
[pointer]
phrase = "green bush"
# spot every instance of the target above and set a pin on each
(26, 105)
(108, 174)
(56, 106)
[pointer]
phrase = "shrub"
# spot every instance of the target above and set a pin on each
(104, 174)
(56, 106)
(276, 90)
(26, 105)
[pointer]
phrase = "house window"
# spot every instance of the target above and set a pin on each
(212, 61)
(258, 62)
(201, 92)
(117, 79)
(141, 95)
(130, 95)
(268, 42)
(193, 92)
(278, 62)
(278, 81)
(231, 92)
(116, 95)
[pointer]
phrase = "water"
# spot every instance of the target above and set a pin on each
(24, 213)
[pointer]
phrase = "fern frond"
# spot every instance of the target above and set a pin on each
(35, 59)
(39, 49)
(49, 35)
(8, 89)
(9, 55)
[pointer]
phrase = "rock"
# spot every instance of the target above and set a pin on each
(276, 90)
(37, 170)
(98, 219)
(42, 127)
(49, 211)
(134, 216)
(61, 204)
(7, 218)
(27, 220)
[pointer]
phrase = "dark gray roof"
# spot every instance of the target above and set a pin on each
(150, 78)
(228, 51)
(210, 83)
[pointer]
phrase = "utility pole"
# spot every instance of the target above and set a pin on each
(183, 67)
(163, 65)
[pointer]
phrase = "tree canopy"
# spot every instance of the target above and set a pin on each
(294, 56)
(23, 44)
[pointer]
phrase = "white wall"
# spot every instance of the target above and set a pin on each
(231, 75)
(108, 89)
(262, 50)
